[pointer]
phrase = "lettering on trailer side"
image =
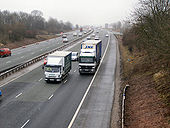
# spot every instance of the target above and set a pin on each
(88, 46)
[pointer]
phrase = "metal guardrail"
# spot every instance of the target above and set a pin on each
(123, 105)
(38, 58)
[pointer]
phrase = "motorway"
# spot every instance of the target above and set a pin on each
(22, 54)
(29, 102)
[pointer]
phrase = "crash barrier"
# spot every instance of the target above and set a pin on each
(123, 105)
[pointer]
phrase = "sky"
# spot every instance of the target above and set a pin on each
(82, 12)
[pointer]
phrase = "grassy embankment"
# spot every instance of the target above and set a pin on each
(148, 97)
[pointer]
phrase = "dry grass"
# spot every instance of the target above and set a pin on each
(146, 101)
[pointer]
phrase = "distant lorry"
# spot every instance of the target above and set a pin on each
(90, 56)
(58, 66)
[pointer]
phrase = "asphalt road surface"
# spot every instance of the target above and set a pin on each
(21, 54)
(29, 102)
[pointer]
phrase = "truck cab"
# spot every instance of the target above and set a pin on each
(87, 62)
(53, 70)
(58, 65)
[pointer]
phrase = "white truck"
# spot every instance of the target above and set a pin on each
(90, 56)
(58, 66)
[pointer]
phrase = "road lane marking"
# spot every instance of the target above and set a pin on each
(81, 103)
(50, 96)
(22, 56)
(41, 49)
(59, 39)
(32, 53)
(74, 70)
(18, 95)
(40, 79)
(65, 81)
(25, 123)
(8, 62)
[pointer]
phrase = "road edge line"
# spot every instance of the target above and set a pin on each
(81, 103)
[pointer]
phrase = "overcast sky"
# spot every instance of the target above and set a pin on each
(82, 12)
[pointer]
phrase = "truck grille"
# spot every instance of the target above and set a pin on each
(86, 67)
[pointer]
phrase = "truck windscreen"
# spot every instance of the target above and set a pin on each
(86, 60)
(49, 68)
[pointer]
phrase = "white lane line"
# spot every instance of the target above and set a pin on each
(8, 62)
(50, 96)
(81, 103)
(22, 56)
(18, 95)
(65, 81)
(74, 70)
(41, 49)
(32, 53)
(40, 79)
(25, 123)
(29, 71)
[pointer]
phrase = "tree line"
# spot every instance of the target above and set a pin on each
(150, 29)
(18, 25)
(149, 34)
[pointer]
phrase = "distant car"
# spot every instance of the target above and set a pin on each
(23, 46)
(45, 62)
(97, 32)
(96, 38)
(5, 52)
(88, 38)
(74, 34)
(74, 56)
(107, 35)
(65, 40)
(64, 36)
(80, 34)
(0, 95)
(85, 32)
